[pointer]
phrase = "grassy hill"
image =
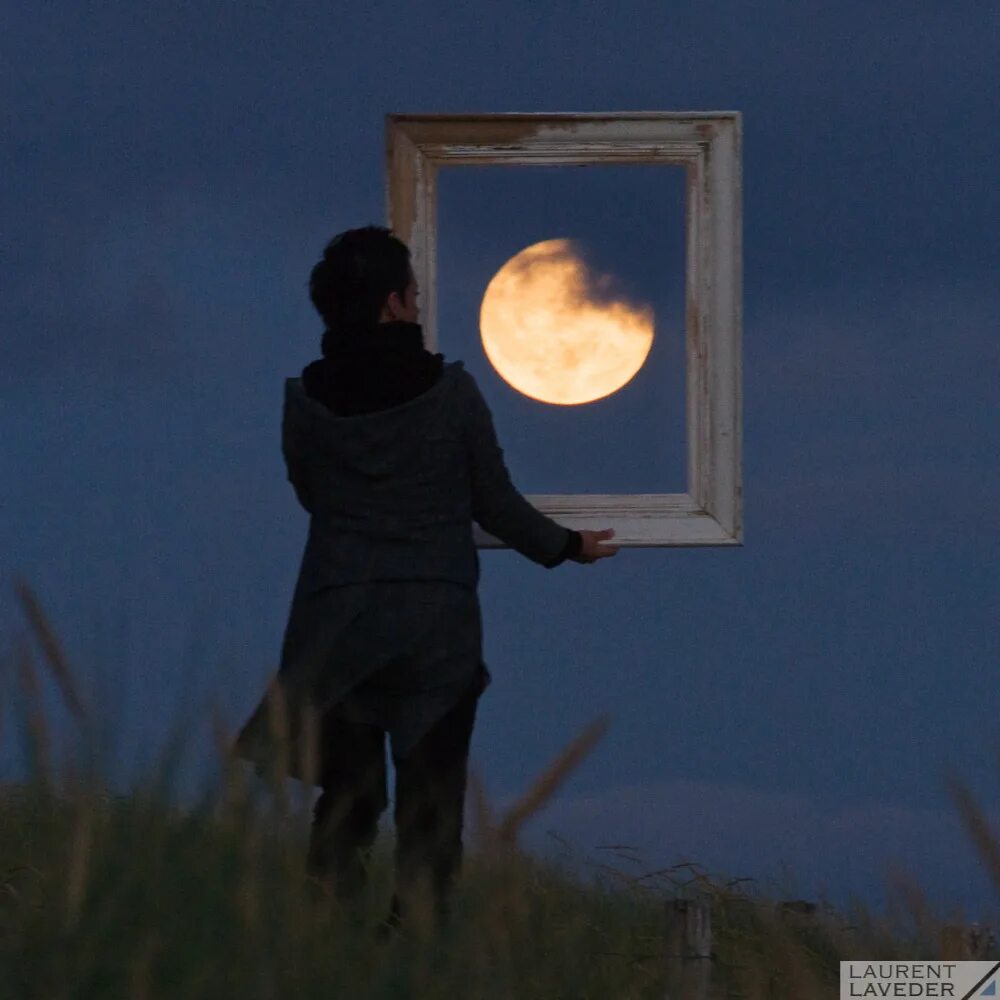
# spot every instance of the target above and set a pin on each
(128, 896)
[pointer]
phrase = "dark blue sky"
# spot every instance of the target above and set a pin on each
(170, 175)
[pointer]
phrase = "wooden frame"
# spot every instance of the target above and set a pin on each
(708, 146)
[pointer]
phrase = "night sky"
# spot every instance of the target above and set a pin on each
(172, 172)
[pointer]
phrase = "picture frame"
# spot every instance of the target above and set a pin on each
(707, 144)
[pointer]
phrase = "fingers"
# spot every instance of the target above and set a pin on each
(592, 549)
(603, 551)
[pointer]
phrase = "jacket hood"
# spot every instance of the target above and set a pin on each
(373, 444)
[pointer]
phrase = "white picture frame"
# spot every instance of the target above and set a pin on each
(708, 146)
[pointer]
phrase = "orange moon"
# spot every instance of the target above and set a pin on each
(550, 338)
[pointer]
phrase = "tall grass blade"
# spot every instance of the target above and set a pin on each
(52, 648)
(39, 746)
(977, 826)
(550, 779)
(483, 825)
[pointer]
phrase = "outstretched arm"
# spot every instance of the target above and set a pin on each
(497, 505)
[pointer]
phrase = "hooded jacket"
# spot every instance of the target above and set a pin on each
(393, 453)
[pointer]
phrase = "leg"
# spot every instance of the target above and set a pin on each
(430, 797)
(345, 817)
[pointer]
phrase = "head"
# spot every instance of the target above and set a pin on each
(365, 277)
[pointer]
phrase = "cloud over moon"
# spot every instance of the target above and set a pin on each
(552, 332)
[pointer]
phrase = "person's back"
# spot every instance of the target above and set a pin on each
(393, 453)
(393, 493)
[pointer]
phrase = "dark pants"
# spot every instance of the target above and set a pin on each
(430, 797)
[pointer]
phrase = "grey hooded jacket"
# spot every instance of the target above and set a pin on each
(393, 494)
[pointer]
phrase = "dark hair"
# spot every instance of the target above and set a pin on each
(360, 267)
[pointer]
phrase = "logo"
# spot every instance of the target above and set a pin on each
(958, 980)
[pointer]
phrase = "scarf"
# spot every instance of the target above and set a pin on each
(370, 368)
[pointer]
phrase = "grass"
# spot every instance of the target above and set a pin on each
(126, 896)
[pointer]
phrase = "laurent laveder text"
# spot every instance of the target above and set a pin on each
(919, 980)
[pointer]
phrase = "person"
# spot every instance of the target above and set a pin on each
(393, 453)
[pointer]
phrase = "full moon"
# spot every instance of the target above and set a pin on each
(548, 336)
